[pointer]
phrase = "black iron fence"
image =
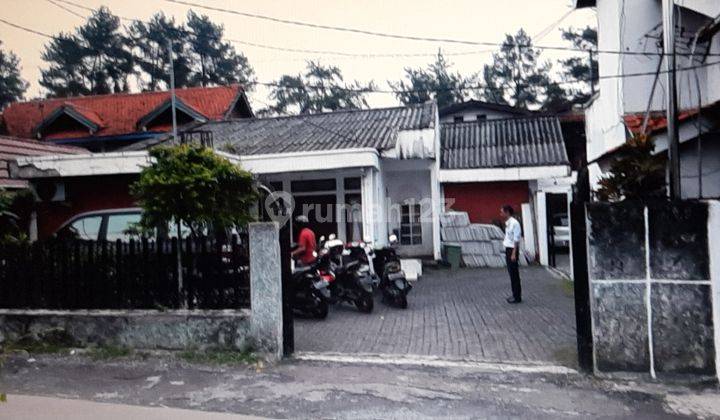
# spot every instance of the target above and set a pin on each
(139, 274)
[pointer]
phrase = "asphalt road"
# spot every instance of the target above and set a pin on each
(322, 389)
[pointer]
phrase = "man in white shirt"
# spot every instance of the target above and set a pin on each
(513, 233)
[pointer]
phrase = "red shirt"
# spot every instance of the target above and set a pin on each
(307, 240)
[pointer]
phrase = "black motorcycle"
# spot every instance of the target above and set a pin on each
(393, 283)
(310, 293)
(352, 281)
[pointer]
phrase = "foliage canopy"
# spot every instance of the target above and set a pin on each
(196, 186)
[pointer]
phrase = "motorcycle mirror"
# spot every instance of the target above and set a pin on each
(322, 238)
(332, 236)
(393, 239)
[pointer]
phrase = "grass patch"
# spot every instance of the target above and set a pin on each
(568, 287)
(107, 353)
(219, 357)
(50, 342)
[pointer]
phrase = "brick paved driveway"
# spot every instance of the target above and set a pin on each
(457, 314)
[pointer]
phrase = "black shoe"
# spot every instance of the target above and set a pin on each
(513, 300)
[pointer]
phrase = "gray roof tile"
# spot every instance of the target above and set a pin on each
(532, 141)
(374, 128)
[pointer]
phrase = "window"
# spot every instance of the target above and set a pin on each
(351, 183)
(86, 228)
(120, 225)
(313, 185)
(458, 118)
(481, 117)
(410, 226)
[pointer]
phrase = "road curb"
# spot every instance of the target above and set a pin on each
(433, 361)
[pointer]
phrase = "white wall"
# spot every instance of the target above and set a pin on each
(410, 180)
(623, 25)
(710, 168)
(471, 115)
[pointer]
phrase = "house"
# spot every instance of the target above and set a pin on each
(11, 148)
(104, 123)
(361, 174)
(493, 155)
(632, 86)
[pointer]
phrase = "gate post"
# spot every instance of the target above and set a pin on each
(288, 325)
(581, 283)
(266, 302)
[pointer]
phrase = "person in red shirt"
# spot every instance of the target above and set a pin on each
(306, 244)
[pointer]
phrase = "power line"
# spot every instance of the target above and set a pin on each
(374, 90)
(542, 34)
(288, 49)
(404, 37)
(72, 12)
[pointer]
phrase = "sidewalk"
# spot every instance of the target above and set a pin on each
(24, 407)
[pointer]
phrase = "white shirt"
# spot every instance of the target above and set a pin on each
(513, 233)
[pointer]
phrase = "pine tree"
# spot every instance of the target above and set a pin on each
(319, 89)
(96, 59)
(436, 81)
(517, 76)
(12, 86)
(580, 67)
(150, 42)
(214, 61)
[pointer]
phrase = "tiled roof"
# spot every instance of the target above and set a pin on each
(375, 128)
(117, 114)
(11, 148)
(657, 121)
(532, 141)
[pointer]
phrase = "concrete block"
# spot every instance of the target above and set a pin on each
(679, 241)
(620, 332)
(682, 324)
(616, 241)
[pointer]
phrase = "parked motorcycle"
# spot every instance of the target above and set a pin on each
(352, 281)
(311, 294)
(393, 284)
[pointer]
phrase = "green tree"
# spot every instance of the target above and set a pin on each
(517, 76)
(96, 59)
(150, 41)
(214, 61)
(319, 89)
(579, 67)
(635, 174)
(195, 186)
(12, 86)
(436, 81)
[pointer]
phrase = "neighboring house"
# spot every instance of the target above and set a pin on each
(474, 110)
(503, 155)
(381, 163)
(625, 104)
(104, 123)
(11, 148)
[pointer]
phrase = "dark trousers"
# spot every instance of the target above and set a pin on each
(514, 271)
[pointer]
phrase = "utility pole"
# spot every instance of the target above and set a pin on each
(672, 122)
(181, 296)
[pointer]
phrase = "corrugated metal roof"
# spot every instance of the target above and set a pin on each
(375, 128)
(533, 141)
(11, 148)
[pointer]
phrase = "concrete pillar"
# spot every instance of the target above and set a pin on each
(541, 215)
(266, 288)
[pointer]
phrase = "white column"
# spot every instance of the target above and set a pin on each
(368, 204)
(340, 211)
(437, 207)
(541, 215)
(714, 251)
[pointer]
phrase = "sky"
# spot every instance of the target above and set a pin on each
(475, 20)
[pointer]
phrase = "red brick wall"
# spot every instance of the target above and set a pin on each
(482, 200)
(85, 194)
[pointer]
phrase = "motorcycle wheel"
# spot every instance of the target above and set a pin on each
(402, 302)
(365, 303)
(321, 312)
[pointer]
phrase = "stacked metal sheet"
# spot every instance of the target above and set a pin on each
(481, 244)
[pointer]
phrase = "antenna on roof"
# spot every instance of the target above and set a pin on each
(172, 92)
